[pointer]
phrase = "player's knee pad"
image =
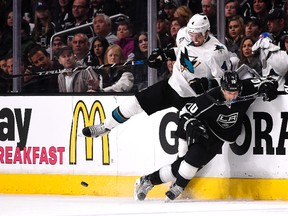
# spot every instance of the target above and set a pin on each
(166, 174)
(187, 171)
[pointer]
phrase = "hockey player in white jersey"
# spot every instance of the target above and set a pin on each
(198, 57)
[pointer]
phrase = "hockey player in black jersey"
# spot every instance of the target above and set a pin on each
(206, 123)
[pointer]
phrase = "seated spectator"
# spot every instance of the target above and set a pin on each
(3, 64)
(44, 28)
(102, 7)
(40, 61)
(209, 8)
(276, 24)
(126, 41)
(80, 12)
(80, 46)
(248, 58)
(62, 14)
(166, 70)
(9, 70)
(260, 9)
(183, 14)
(102, 27)
(162, 30)
(174, 28)
(98, 48)
(253, 27)
(57, 42)
(140, 52)
(6, 39)
(117, 79)
(77, 81)
(232, 8)
(169, 8)
(284, 43)
(235, 33)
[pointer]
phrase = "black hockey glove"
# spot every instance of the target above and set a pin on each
(201, 85)
(156, 58)
(194, 129)
(269, 88)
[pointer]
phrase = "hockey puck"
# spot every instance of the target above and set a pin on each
(85, 184)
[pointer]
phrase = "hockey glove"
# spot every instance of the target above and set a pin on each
(201, 85)
(194, 129)
(269, 88)
(156, 58)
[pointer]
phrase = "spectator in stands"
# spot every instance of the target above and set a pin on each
(57, 42)
(3, 64)
(169, 7)
(247, 57)
(174, 28)
(62, 14)
(140, 52)
(9, 70)
(98, 48)
(276, 24)
(6, 39)
(78, 80)
(81, 47)
(253, 27)
(27, 41)
(231, 8)
(102, 27)
(183, 14)
(80, 12)
(235, 33)
(209, 8)
(44, 28)
(126, 41)
(102, 7)
(260, 10)
(166, 70)
(162, 26)
(116, 79)
(284, 43)
(40, 61)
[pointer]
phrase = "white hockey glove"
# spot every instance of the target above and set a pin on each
(263, 47)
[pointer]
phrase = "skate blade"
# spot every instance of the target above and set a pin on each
(167, 200)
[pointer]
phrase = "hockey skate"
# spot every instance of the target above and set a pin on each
(173, 192)
(141, 188)
(95, 131)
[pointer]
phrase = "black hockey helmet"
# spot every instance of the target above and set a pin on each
(230, 81)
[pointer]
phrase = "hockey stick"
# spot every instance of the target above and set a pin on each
(59, 71)
(237, 100)
(244, 69)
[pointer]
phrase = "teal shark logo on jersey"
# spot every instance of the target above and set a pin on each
(218, 47)
(186, 63)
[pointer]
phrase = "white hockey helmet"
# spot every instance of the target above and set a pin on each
(199, 23)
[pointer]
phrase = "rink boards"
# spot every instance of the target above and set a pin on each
(40, 152)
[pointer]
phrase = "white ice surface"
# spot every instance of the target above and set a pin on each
(42, 205)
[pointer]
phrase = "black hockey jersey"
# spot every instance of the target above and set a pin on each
(221, 119)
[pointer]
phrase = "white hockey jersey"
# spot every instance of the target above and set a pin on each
(209, 60)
